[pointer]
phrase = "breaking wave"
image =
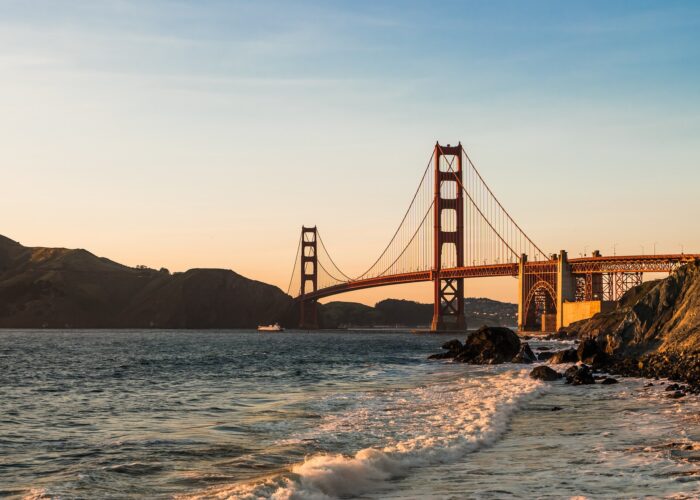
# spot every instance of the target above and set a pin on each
(419, 427)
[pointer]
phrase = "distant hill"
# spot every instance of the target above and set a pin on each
(65, 288)
(392, 312)
(61, 288)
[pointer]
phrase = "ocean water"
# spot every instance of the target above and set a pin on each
(318, 415)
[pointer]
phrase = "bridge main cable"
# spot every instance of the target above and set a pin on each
(495, 198)
(484, 216)
(398, 229)
(294, 269)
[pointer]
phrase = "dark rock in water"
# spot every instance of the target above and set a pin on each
(609, 381)
(544, 348)
(672, 387)
(526, 337)
(542, 356)
(571, 371)
(599, 360)
(676, 395)
(443, 355)
(582, 376)
(649, 385)
(545, 373)
(582, 380)
(587, 350)
(453, 345)
(557, 408)
(525, 355)
(490, 345)
(565, 356)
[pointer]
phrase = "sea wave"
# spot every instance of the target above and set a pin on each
(419, 427)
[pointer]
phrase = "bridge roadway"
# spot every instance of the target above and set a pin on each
(584, 265)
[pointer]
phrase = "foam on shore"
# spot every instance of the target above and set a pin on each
(416, 427)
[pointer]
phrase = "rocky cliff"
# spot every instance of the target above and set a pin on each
(655, 328)
(59, 288)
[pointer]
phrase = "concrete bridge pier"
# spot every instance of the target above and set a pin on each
(544, 289)
(566, 287)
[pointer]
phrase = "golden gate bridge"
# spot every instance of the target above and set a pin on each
(455, 229)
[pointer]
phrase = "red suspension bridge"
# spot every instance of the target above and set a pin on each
(454, 229)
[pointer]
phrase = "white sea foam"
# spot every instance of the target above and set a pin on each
(414, 428)
(36, 494)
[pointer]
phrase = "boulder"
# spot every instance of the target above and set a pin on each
(571, 371)
(599, 360)
(609, 381)
(587, 350)
(525, 355)
(453, 345)
(489, 345)
(544, 373)
(581, 376)
(565, 356)
(543, 356)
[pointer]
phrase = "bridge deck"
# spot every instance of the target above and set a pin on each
(584, 265)
(630, 263)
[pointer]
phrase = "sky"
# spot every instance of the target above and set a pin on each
(187, 134)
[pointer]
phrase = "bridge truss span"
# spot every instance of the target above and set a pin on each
(631, 263)
(608, 278)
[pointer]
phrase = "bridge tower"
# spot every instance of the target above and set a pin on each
(448, 234)
(308, 318)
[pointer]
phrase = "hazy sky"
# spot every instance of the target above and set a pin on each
(205, 133)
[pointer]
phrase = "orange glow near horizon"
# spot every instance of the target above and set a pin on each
(179, 258)
(148, 143)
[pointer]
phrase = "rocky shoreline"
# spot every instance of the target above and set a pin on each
(654, 332)
(589, 364)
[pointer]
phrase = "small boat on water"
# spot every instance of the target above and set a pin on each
(270, 328)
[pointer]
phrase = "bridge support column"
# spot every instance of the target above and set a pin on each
(522, 293)
(566, 286)
(596, 281)
(308, 317)
(448, 234)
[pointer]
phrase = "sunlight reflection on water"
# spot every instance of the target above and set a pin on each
(156, 413)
